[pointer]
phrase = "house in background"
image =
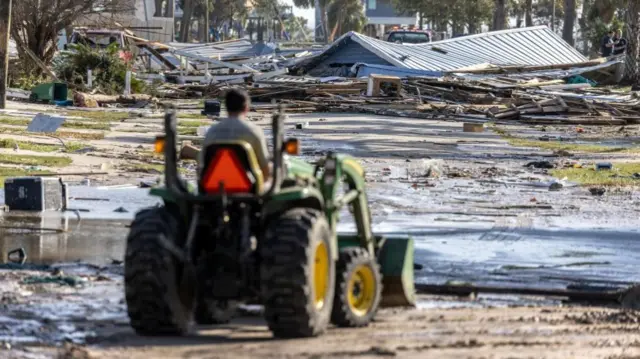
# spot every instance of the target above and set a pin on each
(142, 17)
(382, 15)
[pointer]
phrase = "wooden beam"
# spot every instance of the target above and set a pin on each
(5, 30)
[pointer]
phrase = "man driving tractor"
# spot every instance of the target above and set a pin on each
(236, 127)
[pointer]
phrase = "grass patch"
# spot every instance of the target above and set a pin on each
(146, 168)
(87, 125)
(150, 168)
(66, 124)
(194, 123)
(560, 145)
(196, 116)
(61, 134)
(187, 131)
(571, 147)
(99, 115)
(49, 161)
(620, 175)
(18, 172)
(41, 147)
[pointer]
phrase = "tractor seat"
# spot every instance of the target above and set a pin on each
(233, 163)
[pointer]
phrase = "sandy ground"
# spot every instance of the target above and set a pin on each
(443, 328)
(476, 212)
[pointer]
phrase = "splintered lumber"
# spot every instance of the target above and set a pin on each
(107, 99)
(613, 295)
(556, 120)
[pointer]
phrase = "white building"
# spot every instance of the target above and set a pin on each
(141, 19)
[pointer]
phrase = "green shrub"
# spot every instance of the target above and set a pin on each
(108, 69)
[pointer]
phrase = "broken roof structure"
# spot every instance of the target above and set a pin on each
(523, 46)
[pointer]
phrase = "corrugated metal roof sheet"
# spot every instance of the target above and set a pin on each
(523, 46)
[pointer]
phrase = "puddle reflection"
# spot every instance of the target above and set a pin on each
(54, 238)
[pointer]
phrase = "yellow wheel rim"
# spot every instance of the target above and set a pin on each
(321, 275)
(361, 290)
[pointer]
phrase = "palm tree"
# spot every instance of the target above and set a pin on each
(344, 16)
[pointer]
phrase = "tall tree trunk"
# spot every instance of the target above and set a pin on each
(569, 21)
(500, 15)
(325, 26)
(528, 9)
(632, 72)
(421, 21)
(584, 27)
(473, 26)
(185, 24)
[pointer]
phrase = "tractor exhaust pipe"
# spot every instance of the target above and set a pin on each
(278, 140)
(170, 154)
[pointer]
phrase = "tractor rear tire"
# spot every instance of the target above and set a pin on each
(358, 288)
(298, 274)
(152, 275)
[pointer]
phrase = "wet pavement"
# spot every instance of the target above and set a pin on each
(545, 244)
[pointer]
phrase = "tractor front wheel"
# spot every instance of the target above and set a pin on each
(152, 275)
(358, 288)
(298, 274)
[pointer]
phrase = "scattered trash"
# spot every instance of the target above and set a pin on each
(562, 153)
(472, 127)
(579, 130)
(301, 125)
(148, 184)
(120, 210)
(189, 151)
(71, 281)
(597, 191)
(555, 186)
(540, 164)
(533, 199)
(322, 119)
(17, 256)
(604, 166)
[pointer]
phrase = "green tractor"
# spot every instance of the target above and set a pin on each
(240, 238)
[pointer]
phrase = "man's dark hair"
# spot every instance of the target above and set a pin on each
(236, 101)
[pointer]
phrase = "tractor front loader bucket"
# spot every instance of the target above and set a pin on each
(396, 265)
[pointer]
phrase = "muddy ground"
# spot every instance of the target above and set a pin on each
(477, 213)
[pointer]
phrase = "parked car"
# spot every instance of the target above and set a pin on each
(403, 36)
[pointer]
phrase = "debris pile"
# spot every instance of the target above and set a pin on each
(451, 79)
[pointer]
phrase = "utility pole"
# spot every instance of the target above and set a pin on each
(5, 29)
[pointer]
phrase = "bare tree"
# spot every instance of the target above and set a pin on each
(500, 15)
(35, 23)
(632, 71)
(569, 21)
